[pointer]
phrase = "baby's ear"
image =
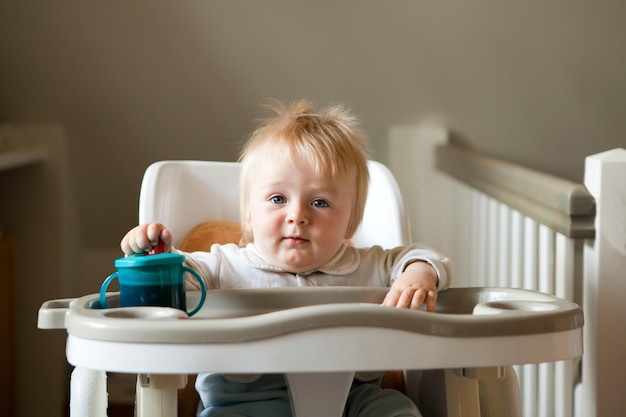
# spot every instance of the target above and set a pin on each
(246, 224)
(246, 228)
(246, 238)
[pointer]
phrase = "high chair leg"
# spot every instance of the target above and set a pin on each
(462, 397)
(500, 396)
(319, 394)
(157, 395)
(88, 396)
(482, 392)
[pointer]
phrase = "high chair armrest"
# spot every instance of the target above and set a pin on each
(52, 314)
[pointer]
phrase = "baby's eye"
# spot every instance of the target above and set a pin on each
(277, 199)
(320, 203)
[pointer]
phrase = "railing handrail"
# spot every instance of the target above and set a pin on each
(562, 205)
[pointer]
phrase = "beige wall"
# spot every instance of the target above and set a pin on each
(538, 83)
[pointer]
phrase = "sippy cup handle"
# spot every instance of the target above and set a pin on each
(103, 290)
(202, 288)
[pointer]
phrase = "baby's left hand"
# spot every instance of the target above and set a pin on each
(417, 285)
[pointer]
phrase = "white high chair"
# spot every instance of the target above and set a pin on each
(170, 195)
(318, 337)
(183, 194)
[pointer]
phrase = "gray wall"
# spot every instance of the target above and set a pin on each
(538, 83)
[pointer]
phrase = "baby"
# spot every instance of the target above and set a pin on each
(303, 188)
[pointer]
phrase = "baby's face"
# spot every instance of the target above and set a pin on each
(299, 220)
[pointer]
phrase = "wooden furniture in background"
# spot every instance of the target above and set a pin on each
(7, 322)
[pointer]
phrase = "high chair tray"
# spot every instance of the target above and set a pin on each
(318, 329)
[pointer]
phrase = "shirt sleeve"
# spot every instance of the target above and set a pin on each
(206, 264)
(418, 252)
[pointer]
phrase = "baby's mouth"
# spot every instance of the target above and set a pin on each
(295, 240)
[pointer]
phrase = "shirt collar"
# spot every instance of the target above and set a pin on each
(344, 262)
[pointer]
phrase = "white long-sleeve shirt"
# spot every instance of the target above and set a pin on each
(230, 267)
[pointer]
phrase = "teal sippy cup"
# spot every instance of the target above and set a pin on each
(154, 280)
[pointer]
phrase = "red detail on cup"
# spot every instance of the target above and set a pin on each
(158, 248)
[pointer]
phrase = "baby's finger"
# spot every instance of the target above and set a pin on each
(418, 299)
(406, 299)
(391, 299)
(153, 233)
(137, 240)
(136, 243)
(166, 238)
(431, 301)
(143, 242)
(128, 245)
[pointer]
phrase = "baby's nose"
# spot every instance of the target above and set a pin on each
(297, 214)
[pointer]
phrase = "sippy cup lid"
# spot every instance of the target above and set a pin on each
(141, 260)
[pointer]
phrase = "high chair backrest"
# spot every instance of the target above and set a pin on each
(183, 194)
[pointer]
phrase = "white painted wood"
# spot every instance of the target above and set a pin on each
(564, 371)
(546, 260)
(516, 227)
(504, 277)
(604, 287)
(517, 249)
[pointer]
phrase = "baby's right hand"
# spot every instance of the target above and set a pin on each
(143, 237)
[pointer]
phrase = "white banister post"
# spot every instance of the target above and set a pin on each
(412, 161)
(604, 289)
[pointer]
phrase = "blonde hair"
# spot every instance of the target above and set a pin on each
(329, 139)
